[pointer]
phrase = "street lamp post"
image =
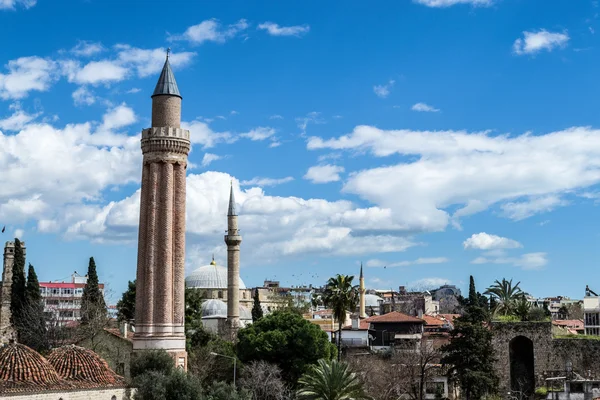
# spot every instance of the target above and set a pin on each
(212, 353)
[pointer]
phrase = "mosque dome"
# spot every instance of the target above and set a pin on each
(372, 300)
(215, 308)
(74, 363)
(210, 276)
(23, 369)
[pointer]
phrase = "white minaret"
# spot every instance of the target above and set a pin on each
(160, 288)
(362, 290)
(233, 241)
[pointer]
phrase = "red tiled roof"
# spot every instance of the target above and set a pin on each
(394, 316)
(362, 326)
(83, 367)
(24, 370)
(569, 323)
(449, 317)
(117, 333)
(430, 320)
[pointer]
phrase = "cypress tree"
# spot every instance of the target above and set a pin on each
(35, 325)
(92, 301)
(257, 312)
(18, 287)
(470, 353)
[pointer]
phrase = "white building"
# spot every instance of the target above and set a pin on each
(591, 315)
(63, 299)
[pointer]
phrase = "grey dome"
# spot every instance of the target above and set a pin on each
(215, 308)
(372, 300)
(210, 276)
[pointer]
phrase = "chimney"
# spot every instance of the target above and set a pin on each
(355, 323)
(420, 313)
(124, 328)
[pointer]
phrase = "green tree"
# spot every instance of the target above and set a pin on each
(470, 354)
(522, 308)
(33, 332)
(285, 339)
(151, 360)
(225, 391)
(257, 311)
(506, 295)
(93, 307)
(18, 295)
(126, 306)
(340, 296)
(330, 380)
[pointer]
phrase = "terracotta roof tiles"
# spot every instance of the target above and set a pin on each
(83, 366)
(394, 316)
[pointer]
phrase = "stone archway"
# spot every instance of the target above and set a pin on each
(522, 365)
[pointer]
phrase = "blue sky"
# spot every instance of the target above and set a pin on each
(437, 138)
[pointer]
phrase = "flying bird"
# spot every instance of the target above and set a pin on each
(3, 229)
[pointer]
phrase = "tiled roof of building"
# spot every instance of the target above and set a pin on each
(117, 332)
(569, 323)
(24, 370)
(83, 366)
(363, 326)
(449, 317)
(394, 316)
(431, 320)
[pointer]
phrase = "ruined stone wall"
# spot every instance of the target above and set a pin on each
(550, 354)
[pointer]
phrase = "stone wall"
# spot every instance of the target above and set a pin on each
(97, 394)
(550, 354)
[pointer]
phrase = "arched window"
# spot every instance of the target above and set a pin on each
(220, 294)
(244, 295)
(113, 398)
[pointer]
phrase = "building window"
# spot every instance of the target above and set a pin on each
(244, 295)
(220, 295)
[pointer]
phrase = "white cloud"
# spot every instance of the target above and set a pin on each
(87, 49)
(95, 72)
(529, 261)
(19, 233)
(275, 30)
(534, 42)
(12, 4)
(17, 120)
(209, 158)
(418, 261)
(273, 227)
(201, 133)
(449, 3)
(313, 117)
(383, 91)
(27, 74)
(260, 133)
(133, 90)
(428, 283)
(534, 205)
(147, 62)
(83, 96)
(81, 161)
(258, 181)
(471, 171)
(324, 173)
(233, 112)
(118, 117)
(276, 116)
(422, 107)
(211, 30)
(485, 241)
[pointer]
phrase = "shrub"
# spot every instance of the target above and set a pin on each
(152, 360)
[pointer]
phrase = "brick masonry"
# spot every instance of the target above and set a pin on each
(6, 330)
(160, 305)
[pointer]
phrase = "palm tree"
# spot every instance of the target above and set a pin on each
(506, 296)
(340, 296)
(331, 380)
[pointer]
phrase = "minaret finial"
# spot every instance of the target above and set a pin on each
(213, 260)
(168, 52)
(361, 272)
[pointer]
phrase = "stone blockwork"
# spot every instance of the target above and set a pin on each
(550, 354)
(95, 394)
(7, 332)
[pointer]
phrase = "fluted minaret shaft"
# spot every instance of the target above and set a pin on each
(160, 288)
(362, 311)
(233, 239)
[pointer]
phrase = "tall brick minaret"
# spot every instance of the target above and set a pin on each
(362, 290)
(160, 288)
(233, 241)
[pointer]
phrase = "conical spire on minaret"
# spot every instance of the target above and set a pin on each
(361, 272)
(166, 84)
(231, 211)
(362, 301)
